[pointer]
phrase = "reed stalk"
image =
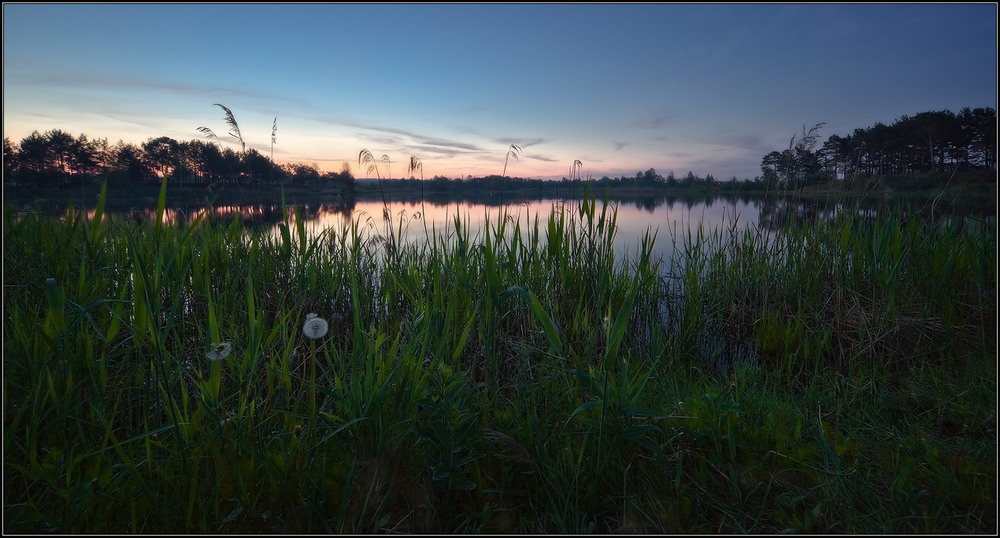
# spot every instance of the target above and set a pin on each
(832, 375)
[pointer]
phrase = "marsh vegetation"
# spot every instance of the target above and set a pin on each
(836, 376)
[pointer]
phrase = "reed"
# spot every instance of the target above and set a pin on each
(834, 375)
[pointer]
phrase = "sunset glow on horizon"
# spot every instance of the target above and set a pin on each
(620, 87)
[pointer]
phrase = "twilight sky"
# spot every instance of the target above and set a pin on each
(708, 88)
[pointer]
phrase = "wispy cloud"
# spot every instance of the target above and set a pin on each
(521, 142)
(394, 139)
(419, 138)
(117, 83)
(751, 143)
(654, 119)
(542, 158)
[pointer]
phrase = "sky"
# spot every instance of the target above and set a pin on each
(622, 88)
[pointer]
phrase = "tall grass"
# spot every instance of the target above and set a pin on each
(837, 376)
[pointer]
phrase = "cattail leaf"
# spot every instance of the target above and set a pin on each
(97, 222)
(56, 319)
(587, 406)
(617, 332)
(548, 326)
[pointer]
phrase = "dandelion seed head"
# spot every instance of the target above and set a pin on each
(219, 351)
(315, 327)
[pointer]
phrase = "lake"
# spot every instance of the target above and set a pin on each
(668, 220)
(673, 219)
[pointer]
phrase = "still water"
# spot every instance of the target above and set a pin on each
(672, 222)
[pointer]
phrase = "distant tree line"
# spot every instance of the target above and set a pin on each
(497, 189)
(58, 158)
(926, 142)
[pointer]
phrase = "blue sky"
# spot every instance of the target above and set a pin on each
(708, 88)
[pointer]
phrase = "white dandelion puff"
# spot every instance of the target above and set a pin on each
(219, 351)
(315, 327)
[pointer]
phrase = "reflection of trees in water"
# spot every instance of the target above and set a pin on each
(641, 200)
(266, 216)
(252, 216)
(776, 213)
(316, 210)
(651, 203)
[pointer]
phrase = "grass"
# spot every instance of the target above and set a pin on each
(836, 376)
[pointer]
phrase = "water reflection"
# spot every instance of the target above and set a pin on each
(253, 217)
(673, 219)
(777, 213)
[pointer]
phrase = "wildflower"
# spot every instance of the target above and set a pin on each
(219, 351)
(315, 327)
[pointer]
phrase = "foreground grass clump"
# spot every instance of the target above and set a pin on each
(836, 377)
